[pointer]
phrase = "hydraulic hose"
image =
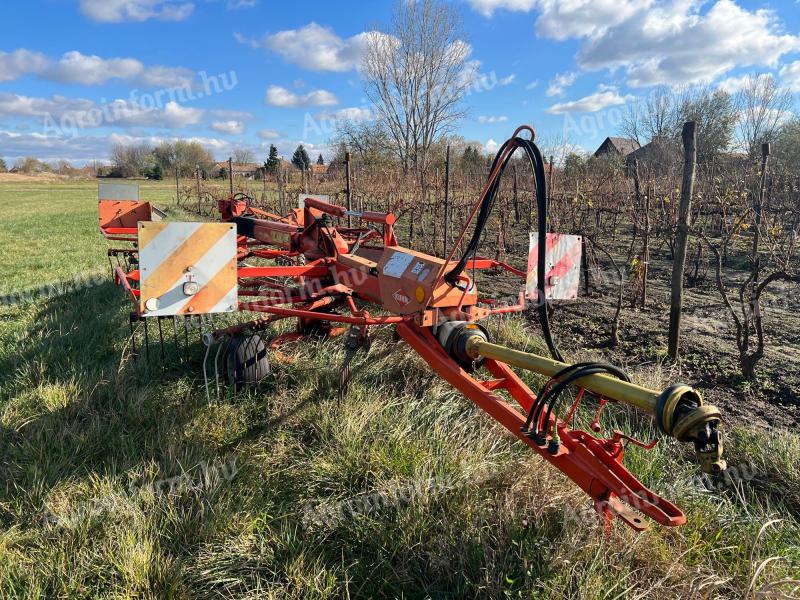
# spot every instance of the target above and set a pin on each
(536, 161)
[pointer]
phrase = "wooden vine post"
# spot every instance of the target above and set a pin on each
(682, 236)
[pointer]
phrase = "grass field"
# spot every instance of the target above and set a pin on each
(118, 479)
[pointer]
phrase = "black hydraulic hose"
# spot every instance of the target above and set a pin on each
(535, 407)
(537, 168)
(553, 394)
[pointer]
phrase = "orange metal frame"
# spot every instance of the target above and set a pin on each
(326, 282)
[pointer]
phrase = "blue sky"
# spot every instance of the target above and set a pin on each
(77, 76)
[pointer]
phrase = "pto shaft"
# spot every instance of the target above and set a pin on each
(679, 410)
(603, 385)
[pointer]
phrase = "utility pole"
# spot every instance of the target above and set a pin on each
(682, 237)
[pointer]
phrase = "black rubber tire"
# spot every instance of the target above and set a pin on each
(246, 362)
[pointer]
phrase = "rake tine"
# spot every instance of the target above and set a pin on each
(131, 318)
(175, 337)
(146, 340)
(205, 373)
(186, 337)
(216, 370)
(161, 343)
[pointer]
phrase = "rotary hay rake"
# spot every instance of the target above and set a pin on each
(329, 276)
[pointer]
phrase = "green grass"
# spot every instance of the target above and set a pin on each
(468, 512)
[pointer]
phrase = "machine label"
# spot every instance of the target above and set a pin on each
(418, 267)
(397, 264)
(401, 298)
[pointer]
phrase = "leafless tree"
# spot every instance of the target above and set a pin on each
(131, 160)
(243, 156)
(368, 140)
(651, 119)
(762, 105)
(715, 115)
(414, 74)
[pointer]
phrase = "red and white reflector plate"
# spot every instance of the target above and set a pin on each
(187, 268)
(563, 267)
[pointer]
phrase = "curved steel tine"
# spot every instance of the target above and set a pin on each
(186, 337)
(146, 341)
(205, 373)
(175, 337)
(131, 318)
(161, 344)
(216, 369)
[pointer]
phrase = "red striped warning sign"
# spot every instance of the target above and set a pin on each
(187, 268)
(563, 266)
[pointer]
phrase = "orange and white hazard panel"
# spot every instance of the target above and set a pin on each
(187, 268)
(562, 267)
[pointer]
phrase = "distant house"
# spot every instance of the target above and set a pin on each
(656, 156)
(319, 169)
(246, 170)
(616, 146)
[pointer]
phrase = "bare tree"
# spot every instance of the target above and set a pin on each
(651, 119)
(131, 160)
(762, 106)
(414, 75)
(243, 156)
(715, 115)
(368, 140)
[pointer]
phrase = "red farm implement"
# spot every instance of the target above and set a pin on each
(327, 276)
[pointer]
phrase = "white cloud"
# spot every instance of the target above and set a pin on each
(561, 20)
(670, 42)
(82, 69)
(268, 134)
(173, 116)
(509, 79)
(75, 67)
(560, 83)
(238, 115)
(355, 113)
(229, 127)
(313, 47)
(237, 4)
(487, 7)
(15, 105)
(154, 140)
(790, 76)
(20, 62)
(118, 11)
(17, 145)
(532, 85)
(82, 149)
(603, 98)
(674, 43)
(491, 146)
(483, 120)
(732, 85)
(70, 114)
(167, 77)
(280, 96)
